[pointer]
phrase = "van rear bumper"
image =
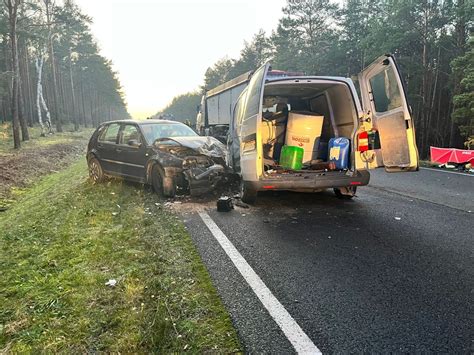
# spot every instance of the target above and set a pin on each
(310, 181)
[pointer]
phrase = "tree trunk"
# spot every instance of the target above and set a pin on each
(40, 102)
(59, 126)
(12, 7)
(73, 96)
(21, 111)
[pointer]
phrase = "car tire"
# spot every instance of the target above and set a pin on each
(342, 196)
(96, 173)
(163, 185)
(247, 193)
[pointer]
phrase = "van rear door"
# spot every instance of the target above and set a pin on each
(387, 112)
(249, 120)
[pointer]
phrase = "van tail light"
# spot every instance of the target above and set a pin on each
(363, 141)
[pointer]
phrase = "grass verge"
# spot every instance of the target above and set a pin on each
(65, 238)
(38, 142)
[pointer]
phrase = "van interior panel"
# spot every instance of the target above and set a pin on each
(332, 100)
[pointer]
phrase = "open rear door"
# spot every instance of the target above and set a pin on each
(384, 101)
(250, 116)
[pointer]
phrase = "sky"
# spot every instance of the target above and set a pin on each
(162, 48)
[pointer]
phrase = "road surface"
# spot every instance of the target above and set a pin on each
(390, 271)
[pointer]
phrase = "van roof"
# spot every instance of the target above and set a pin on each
(309, 77)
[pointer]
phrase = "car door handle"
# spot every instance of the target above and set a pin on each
(118, 150)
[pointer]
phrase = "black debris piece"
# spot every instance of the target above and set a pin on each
(224, 204)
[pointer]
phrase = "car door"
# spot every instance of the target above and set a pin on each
(106, 148)
(389, 117)
(249, 119)
(132, 152)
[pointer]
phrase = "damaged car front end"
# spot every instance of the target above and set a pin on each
(195, 164)
(168, 155)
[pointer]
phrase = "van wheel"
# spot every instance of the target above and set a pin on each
(247, 194)
(346, 193)
(163, 185)
(95, 170)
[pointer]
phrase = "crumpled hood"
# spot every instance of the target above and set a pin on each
(209, 146)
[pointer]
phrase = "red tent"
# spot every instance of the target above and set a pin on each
(451, 155)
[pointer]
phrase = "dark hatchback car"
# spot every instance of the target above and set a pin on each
(165, 154)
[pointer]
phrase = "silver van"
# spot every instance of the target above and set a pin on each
(379, 129)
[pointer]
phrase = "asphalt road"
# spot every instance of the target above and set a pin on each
(390, 271)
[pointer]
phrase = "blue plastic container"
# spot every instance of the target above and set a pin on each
(338, 149)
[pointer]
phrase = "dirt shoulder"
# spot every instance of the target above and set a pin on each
(38, 157)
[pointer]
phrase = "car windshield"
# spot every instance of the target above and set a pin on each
(154, 131)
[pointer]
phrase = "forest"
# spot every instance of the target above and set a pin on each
(51, 72)
(431, 39)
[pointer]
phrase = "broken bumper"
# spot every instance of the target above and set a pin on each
(202, 180)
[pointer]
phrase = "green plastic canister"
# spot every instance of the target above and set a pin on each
(291, 157)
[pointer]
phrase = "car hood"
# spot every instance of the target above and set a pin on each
(209, 146)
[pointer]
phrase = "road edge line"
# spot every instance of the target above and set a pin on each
(293, 332)
(447, 172)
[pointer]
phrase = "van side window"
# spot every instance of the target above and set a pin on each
(254, 93)
(239, 108)
(109, 135)
(385, 91)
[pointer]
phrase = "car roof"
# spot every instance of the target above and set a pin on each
(144, 122)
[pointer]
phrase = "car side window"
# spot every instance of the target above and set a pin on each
(109, 135)
(129, 132)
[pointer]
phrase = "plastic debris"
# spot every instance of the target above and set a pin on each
(111, 283)
(224, 204)
(398, 218)
(241, 204)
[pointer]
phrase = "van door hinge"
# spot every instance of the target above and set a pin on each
(365, 118)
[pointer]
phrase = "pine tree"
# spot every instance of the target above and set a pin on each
(463, 113)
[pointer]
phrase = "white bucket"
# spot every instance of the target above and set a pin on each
(304, 130)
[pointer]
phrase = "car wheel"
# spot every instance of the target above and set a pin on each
(163, 185)
(348, 194)
(247, 194)
(95, 170)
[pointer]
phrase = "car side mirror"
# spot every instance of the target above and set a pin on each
(134, 143)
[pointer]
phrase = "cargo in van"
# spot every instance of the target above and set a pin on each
(308, 115)
(310, 133)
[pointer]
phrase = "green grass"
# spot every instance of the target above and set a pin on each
(36, 141)
(65, 238)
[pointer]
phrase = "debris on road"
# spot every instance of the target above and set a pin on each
(239, 203)
(224, 204)
(398, 218)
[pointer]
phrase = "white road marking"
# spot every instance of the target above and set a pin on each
(293, 332)
(447, 172)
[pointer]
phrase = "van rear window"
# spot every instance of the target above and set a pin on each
(385, 91)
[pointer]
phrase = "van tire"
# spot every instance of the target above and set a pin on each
(163, 185)
(247, 194)
(342, 196)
